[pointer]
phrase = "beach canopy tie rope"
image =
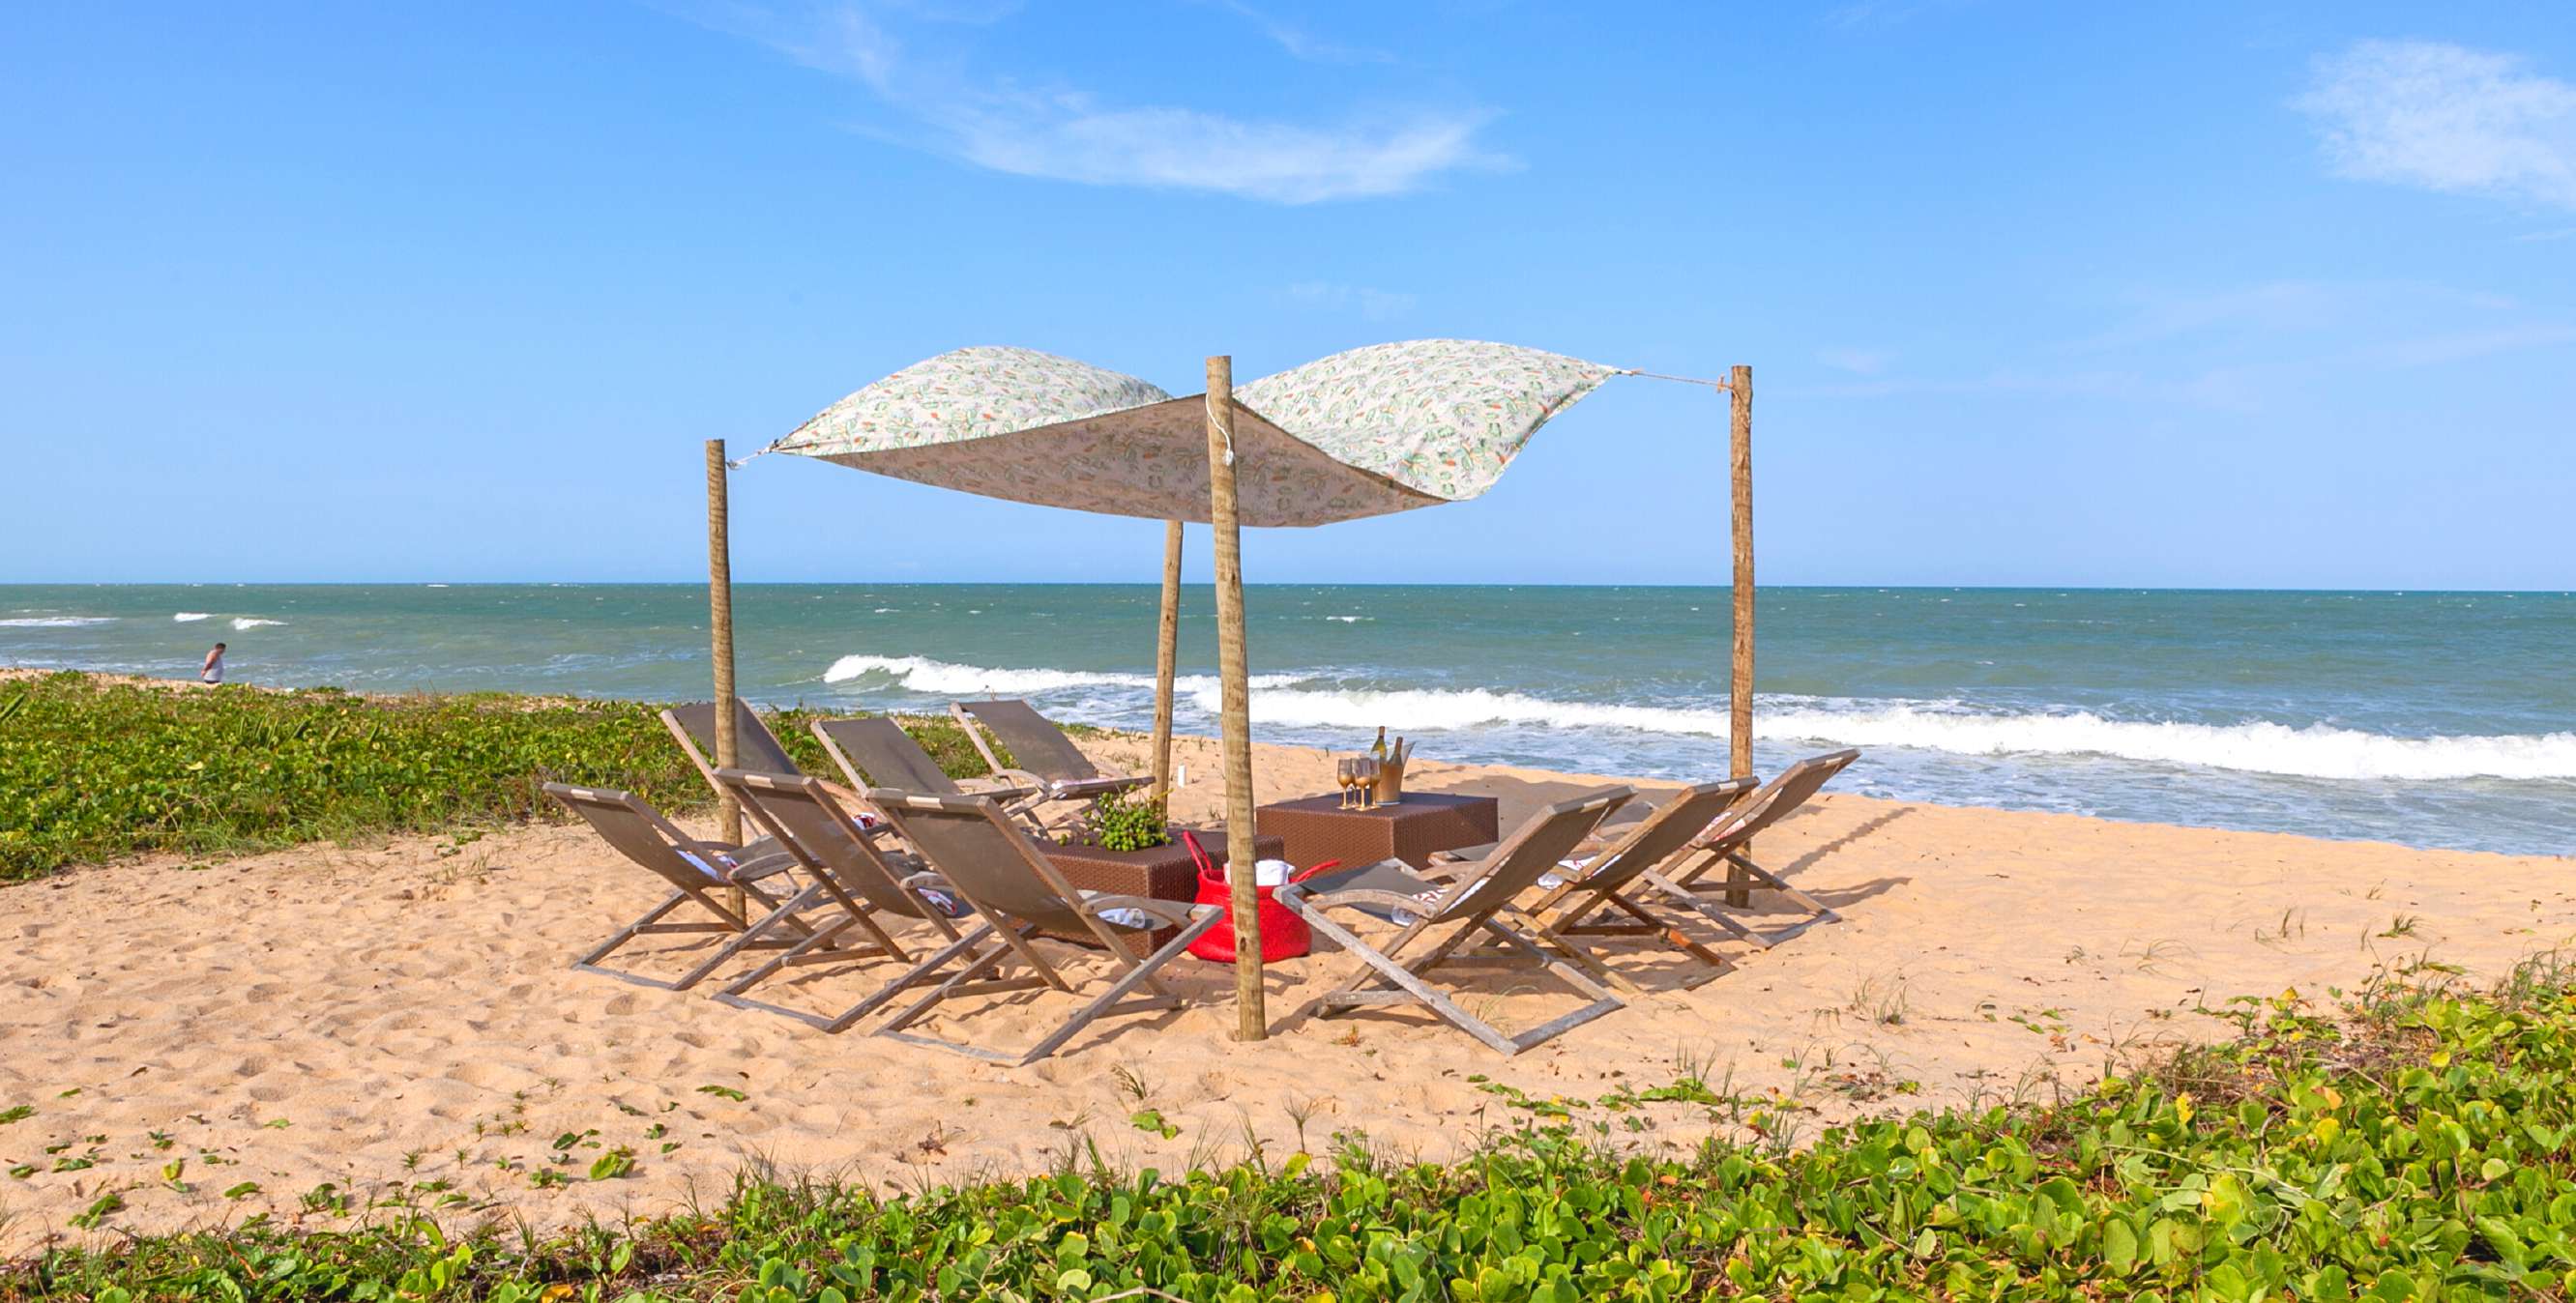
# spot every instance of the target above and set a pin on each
(1375, 430)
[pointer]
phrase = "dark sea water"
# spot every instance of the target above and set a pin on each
(2433, 719)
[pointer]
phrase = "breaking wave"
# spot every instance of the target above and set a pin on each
(1311, 701)
(55, 621)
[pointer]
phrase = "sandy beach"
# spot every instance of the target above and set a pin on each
(313, 1032)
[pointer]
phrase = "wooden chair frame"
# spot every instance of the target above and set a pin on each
(1729, 841)
(1027, 874)
(640, 833)
(1478, 906)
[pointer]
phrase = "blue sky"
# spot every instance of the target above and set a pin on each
(2214, 294)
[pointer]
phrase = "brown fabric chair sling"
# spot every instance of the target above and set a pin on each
(757, 749)
(875, 753)
(991, 861)
(1436, 920)
(694, 869)
(1726, 840)
(1043, 758)
(842, 865)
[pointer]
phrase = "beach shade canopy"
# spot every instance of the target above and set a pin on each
(1380, 429)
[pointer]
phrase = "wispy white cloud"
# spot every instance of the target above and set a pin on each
(2438, 349)
(1871, 13)
(1372, 304)
(2443, 117)
(1072, 135)
(2280, 309)
(1857, 361)
(1300, 42)
(2244, 349)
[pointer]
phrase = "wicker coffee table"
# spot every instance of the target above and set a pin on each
(1318, 829)
(1161, 873)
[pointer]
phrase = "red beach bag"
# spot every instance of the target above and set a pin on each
(1283, 935)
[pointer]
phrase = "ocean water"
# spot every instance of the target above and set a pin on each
(2432, 719)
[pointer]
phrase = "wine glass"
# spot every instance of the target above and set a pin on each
(1364, 770)
(1342, 774)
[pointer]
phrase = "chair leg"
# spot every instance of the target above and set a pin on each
(651, 924)
(1574, 951)
(732, 992)
(976, 964)
(750, 935)
(1408, 987)
(1823, 913)
(1141, 973)
(631, 931)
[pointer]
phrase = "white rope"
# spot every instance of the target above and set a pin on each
(739, 462)
(1688, 380)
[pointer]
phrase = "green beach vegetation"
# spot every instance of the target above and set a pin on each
(93, 769)
(2407, 1144)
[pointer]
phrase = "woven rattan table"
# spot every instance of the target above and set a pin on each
(1318, 829)
(1161, 873)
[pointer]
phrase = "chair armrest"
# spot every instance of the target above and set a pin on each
(1075, 788)
(1358, 898)
(758, 867)
(1005, 794)
(1171, 912)
(1464, 854)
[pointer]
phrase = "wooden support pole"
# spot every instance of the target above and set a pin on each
(720, 624)
(1242, 847)
(1167, 652)
(1739, 692)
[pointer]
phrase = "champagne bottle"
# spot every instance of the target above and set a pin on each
(1378, 748)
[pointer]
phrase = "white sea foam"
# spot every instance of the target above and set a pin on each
(922, 674)
(1352, 619)
(2315, 751)
(254, 622)
(55, 621)
(191, 617)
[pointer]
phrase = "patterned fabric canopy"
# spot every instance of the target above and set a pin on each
(1375, 430)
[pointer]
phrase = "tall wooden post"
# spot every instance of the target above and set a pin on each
(720, 624)
(1739, 693)
(1167, 655)
(1242, 847)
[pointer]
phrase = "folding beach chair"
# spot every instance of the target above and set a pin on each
(693, 868)
(757, 749)
(991, 861)
(842, 865)
(1045, 759)
(1590, 898)
(1437, 919)
(875, 752)
(1725, 842)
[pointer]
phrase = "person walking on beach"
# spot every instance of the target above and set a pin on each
(214, 669)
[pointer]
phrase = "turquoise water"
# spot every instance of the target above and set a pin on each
(2437, 719)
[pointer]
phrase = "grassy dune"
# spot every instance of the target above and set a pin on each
(92, 769)
(2410, 1145)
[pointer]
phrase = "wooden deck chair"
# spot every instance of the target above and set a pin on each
(843, 866)
(990, 859)
(875, 752)
(1437, 920)
(1589, 900)
(693, 868)
(1044, 759)
(1725, 842)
